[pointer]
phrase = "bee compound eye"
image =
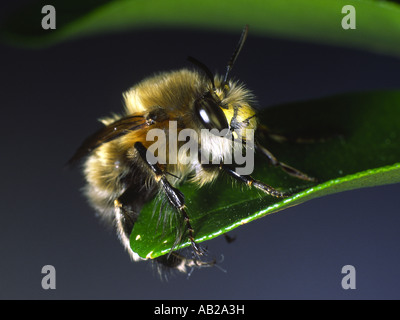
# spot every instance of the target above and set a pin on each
(210, 114)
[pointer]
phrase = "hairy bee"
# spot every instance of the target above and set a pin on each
(121, 178)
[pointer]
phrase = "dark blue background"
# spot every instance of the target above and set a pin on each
(50, 100)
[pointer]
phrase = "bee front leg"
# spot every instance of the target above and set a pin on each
(175, 197)
(276, 163)
(251, 182)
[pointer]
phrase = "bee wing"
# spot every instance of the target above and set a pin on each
(108, 133)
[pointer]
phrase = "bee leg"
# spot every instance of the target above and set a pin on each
(250, 181)
(229, 238)
(124, 220)
(288, 169)
(180, 263)
(175, 197)
(127, 208)
(280, 138)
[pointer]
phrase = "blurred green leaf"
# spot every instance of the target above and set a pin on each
(361, 148)
(377, 22)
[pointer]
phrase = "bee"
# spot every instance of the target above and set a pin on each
(120, 178)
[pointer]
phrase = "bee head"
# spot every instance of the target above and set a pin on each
(227, 108)
(225, 105)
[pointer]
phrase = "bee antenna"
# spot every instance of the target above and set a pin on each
(236, 52)
(202, 66)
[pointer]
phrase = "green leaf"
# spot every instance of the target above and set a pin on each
(360, 147)
(377, 22)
